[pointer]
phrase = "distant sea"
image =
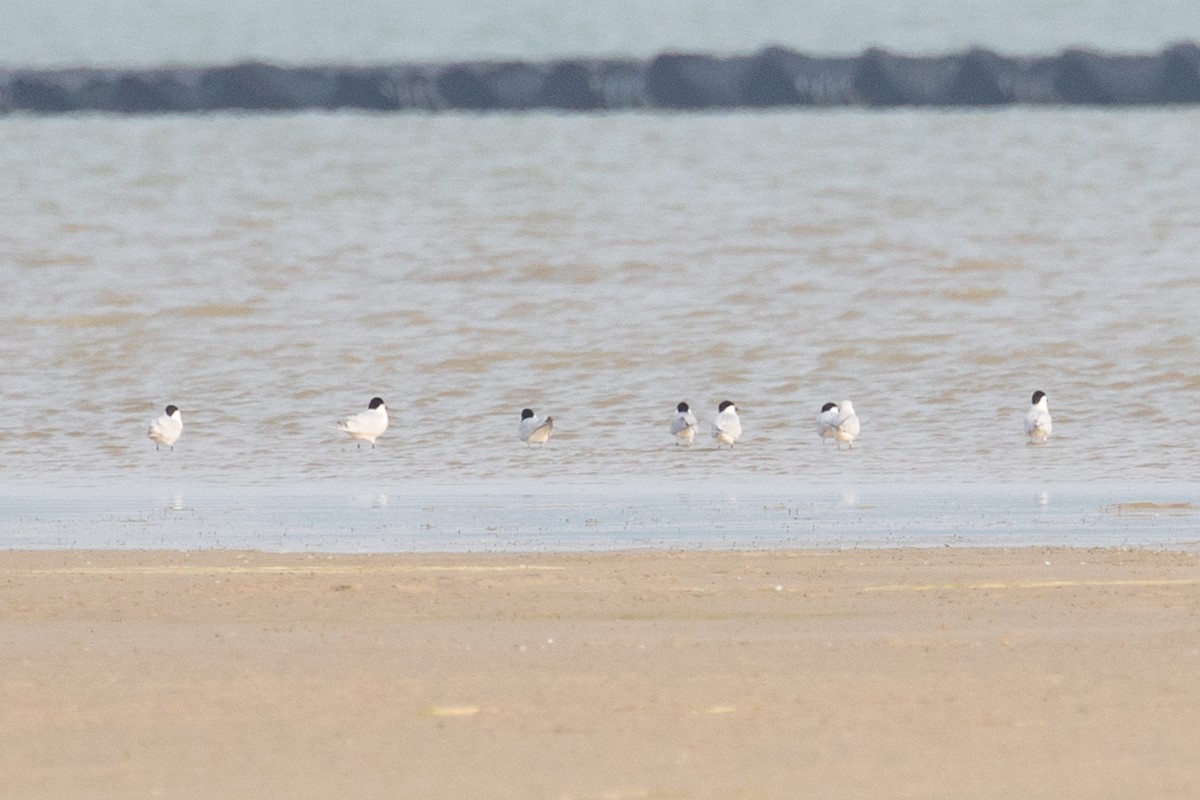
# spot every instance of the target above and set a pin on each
(137, 33)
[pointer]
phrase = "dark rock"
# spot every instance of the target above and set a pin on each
(983, 78)
(151, 92)
(682, 80)
(770, 80)
(515, 84)
(369, 89)
(622, 84)
(1031, 80)
(884, 79)
(774, 77)
(569, 86)
(822, 81)
(778, 76)
(463, 87)
(1088, 78)
(93, 90)
(41, 93)
(263, 87)
(415, 87)
(1180, 75)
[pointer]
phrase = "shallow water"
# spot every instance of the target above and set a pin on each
(270, 274)
(507, 518)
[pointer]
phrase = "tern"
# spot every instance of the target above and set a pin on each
(727, 428)
(1037, 420)
(534, 430)
(827, 421)
(683, 424)
(369, 425)
(845, 430)
(167, 428)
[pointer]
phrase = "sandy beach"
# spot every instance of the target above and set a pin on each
(911, 673)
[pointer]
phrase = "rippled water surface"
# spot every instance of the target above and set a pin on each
(270, 274)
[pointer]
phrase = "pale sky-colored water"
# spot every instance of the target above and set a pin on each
(270, 274)
(523, 517)
(136, 33)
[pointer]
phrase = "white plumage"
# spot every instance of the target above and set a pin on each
(827, 421)
(683, 424)
(533, 429)
(167, 428)
(727, 428)
(846, 429)
(369, 425)
(1037, 419)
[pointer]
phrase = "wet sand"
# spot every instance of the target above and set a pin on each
(930, 673)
